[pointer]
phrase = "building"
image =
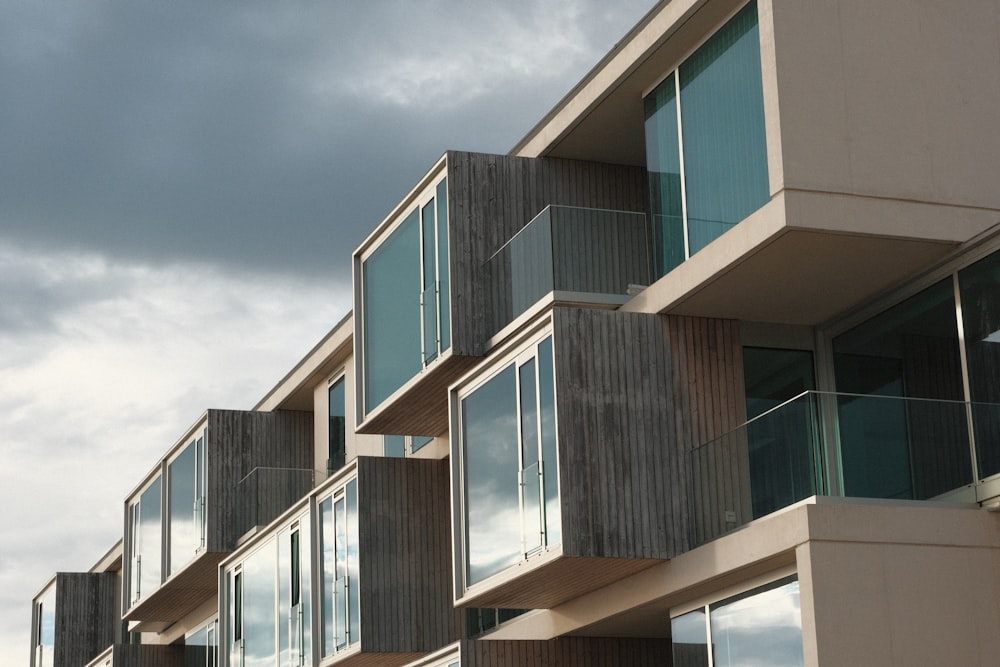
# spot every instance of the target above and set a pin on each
(702, 372)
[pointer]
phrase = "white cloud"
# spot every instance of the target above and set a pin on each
(109, 384)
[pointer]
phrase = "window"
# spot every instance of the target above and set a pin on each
(405, 299)
(509, 466)
(338, 515)
(762, 626)
(398, 446)
(269, 609)
(706, 152)
(186, 503)
(201, 647)
(44, 632)
(338, 427)
(146, 542)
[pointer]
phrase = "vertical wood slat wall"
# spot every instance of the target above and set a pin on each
(636, 393)
(492, 197)
(85, 617)
(404, 542)
(239, 442)
(567, 652)
(148, 655)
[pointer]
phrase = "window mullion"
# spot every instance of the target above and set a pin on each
(680, 162)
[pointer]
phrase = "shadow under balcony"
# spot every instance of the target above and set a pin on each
(837, 444)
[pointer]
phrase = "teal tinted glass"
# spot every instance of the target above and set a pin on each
(783, 462)
(444, 289)
(901, 449)
(182, 480)
(490, 456)
(391, 311)
(722, 115)
(338, 426)
(980, 293)
(663, 163)
(428, 299)
(394, 445)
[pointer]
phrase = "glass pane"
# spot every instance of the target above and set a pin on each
(329, 572)
(663, 162)
(235, 606)
(394, 445)
(391, 313)
(305, 606)
(182, 481)
(198, 649)
(286, 573)
(338, 426)
(419, 441)
(428, 292)
(689, 634)
(722, 116)
(912, 350)
(353, 583)
(47, 627)
(761, 627)
(530, 473)
(550, 462)
(259, 598)
(783, 465)
(201, 491)
(444, 288)
(980, 293)
(150, 539)
(340, 582)
(490, 458)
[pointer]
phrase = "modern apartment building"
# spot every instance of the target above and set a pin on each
(703, 372)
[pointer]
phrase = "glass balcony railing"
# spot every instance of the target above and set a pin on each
(267, 492)
(577, 251)
(822, 443)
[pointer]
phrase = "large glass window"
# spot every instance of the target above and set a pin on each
(783, 469)
(146, 544)
(269, 602)
(895, 448)
(45, 628)
(760, 627)
(980, 295)
(510, 470)
(341, 594)
(186, 494)
(710, 112)
(338, 426)
(405, 299)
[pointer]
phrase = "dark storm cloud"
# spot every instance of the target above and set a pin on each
(266, 134)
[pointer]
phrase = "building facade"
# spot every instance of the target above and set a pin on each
(703, 372)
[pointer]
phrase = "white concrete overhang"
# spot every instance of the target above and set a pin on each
(640, 605)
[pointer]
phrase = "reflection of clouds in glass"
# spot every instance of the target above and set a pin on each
(48, 622)
(181, 480)
(259, 598)
(150, 542)
(759, 630)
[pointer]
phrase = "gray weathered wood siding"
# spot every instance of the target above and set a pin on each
(492, 197)
(85, 617)
(147, 655)
(567, 652)
(405, 564)
(709, 402)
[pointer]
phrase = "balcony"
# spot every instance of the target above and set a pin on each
(267, 492)
(836, 444)
(578, 255)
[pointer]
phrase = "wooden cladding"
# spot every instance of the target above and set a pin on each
(404, 539)
(567, 652)
(85, 617)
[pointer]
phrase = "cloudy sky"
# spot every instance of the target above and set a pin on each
(181, 185)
